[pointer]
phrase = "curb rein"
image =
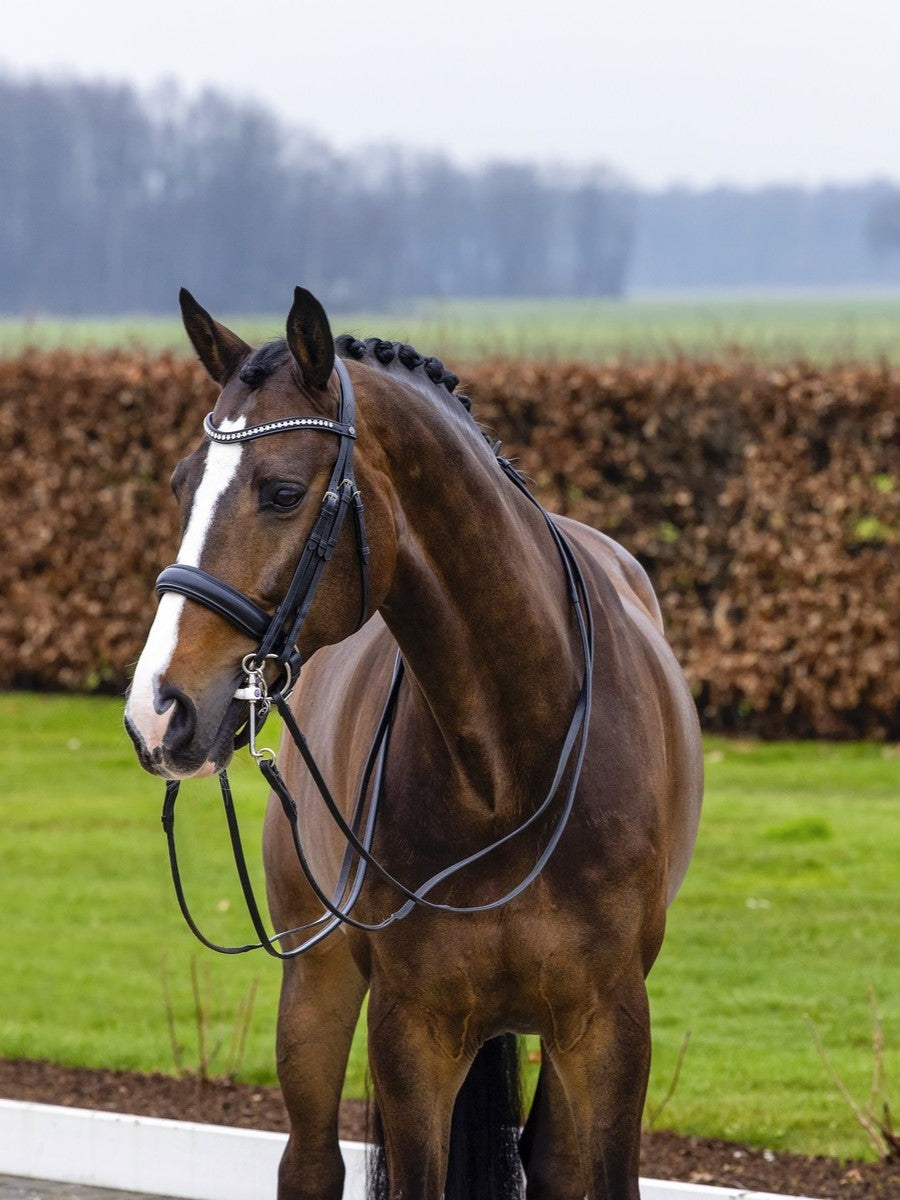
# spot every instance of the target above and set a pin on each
(277, 636)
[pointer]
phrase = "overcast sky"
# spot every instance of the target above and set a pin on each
(668, 91)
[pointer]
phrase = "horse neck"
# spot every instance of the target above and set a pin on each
(479, 608)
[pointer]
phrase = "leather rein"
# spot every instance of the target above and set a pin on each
(277, 636)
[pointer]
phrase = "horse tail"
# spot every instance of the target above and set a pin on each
(483, 1162)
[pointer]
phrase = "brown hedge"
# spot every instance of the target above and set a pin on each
(763, 502)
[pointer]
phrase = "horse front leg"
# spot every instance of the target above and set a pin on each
(604, 1069)
(548, 1147)
(417, 1067)
(321, 996)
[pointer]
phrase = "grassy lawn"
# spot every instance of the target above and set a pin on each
(825, 328)
(790, 908)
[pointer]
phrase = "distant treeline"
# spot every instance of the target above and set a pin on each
(769, 237)
(109, 199)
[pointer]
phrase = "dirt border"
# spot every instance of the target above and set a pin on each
(665, 1155)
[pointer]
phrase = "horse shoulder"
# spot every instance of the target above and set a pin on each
(342, 679)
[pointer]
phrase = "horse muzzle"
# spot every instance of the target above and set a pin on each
(174, 739)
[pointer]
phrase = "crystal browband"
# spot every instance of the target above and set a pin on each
(256, 431)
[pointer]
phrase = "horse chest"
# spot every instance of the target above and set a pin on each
(528, 968)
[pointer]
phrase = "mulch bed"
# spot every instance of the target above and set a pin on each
(664, 1155)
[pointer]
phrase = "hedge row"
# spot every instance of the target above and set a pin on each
(763, 502)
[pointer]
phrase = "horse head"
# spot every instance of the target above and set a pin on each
(251, 495)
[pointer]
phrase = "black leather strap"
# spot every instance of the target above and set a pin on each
(216, 594)
(362, 824)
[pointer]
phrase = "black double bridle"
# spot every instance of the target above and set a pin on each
(277, 636)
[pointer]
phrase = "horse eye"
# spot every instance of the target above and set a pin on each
(281, 496)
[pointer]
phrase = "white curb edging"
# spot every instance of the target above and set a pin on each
(194, 1162)
(138, 1154)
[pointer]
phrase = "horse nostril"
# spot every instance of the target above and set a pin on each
(183, 721)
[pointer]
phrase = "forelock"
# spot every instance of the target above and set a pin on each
(264, 362)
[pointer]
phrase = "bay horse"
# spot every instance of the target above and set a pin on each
(537, 709)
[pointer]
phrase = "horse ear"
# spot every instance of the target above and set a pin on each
(309, 339)
(218, 348)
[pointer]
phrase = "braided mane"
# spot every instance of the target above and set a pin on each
(385, 352)
(269, 357)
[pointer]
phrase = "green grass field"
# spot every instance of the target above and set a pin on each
(790, 909)
(826, 328)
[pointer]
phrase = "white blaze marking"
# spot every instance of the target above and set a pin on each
(221, 466)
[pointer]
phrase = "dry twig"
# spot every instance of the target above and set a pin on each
(654, 1111)
(879, 1129)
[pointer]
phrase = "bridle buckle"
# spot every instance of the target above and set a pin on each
(254, 690)
(256, 693)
